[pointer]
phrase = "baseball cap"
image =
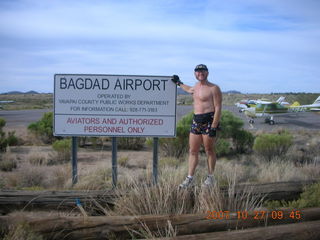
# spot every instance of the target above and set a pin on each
(201, 67)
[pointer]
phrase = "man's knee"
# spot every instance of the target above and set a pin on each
(209, 150)
(193, 152)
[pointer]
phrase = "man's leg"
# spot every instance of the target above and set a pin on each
(209, 144)
(194, 147)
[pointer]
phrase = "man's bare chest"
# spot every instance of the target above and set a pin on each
(202, 94)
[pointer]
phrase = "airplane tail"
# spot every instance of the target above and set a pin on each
(281, 99)
(317, 101)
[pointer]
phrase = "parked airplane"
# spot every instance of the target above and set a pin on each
(246, 103)
(267, 110)
(5, 102)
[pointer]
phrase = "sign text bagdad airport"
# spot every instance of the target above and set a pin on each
(114, 105)
(120, 84)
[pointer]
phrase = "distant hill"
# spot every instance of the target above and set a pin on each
(233, 92)
(18, 92)
(180, 91)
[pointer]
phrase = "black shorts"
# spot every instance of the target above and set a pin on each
(201, 123)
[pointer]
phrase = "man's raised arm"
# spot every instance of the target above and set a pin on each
(178, 82)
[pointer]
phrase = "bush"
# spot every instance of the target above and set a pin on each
(63, 148)
(3, 141)
(230, 132)
(309, 198)
(271, 145)
(222, 147)
(243, 141)
(178, 146)
(2, 123)
(230, 124)
(131, 143)
(43, 128)
(11, 140)
(8, 165)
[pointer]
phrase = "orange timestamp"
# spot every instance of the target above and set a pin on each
(255, 215)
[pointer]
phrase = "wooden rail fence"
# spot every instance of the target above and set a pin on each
(188, 224)
(14, 200)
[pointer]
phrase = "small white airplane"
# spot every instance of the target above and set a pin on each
(9, 101)
(246, 103)
(267, 110)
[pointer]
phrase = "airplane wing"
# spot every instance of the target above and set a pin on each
(316, 104)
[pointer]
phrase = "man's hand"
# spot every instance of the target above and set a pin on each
(176, 80)
(212, 132)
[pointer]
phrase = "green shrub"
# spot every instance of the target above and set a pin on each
(63, 148)
(43, 128)
(231, 132)
(3, 139)
(178, 146)
(12, 139)
(8, 165)
(2, 123)
(309, 198)
(273, 144)
(222, 147)
(131, 143)
(230, 124)
(243, 141)
(3, 142)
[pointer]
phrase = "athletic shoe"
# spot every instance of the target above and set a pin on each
(188, 182)
(209, 182)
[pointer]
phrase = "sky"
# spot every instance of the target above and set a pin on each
(251, 46)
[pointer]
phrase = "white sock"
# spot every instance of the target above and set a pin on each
(190, 176)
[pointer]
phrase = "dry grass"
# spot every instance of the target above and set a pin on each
(27, 101)
(166, 198)
(146, 233)
(96, 174)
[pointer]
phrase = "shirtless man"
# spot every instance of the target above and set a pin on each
(207, 101)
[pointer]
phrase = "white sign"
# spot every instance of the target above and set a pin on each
(114, 105)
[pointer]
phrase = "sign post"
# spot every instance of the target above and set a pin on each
(115, 106)
(74, 160)
(114, 162)
(155, 160)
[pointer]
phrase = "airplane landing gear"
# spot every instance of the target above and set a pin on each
(251, 121)
(269, 120)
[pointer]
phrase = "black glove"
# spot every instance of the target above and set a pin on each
(176, 80)
(212, 132)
